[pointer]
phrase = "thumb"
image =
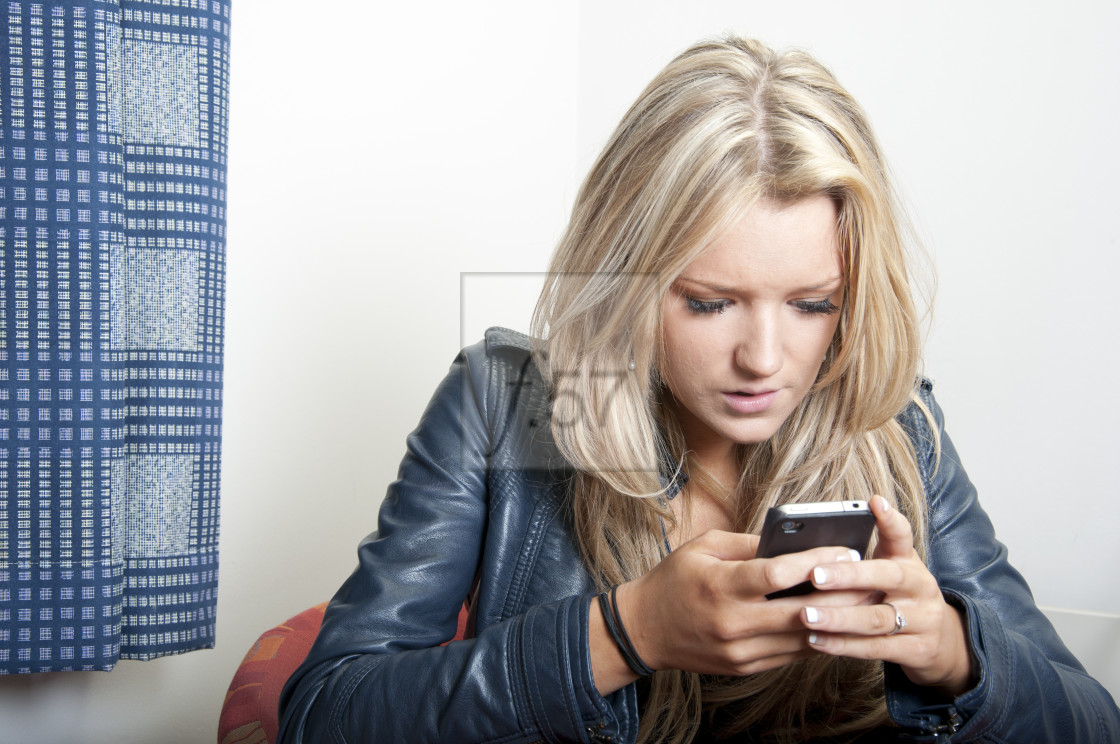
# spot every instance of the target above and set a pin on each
(896, 538)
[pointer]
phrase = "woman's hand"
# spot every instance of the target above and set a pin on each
(930, 647)
(704, 609)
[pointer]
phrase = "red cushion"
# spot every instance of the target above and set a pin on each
(249, 711)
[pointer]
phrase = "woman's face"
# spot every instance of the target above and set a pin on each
(747, 324)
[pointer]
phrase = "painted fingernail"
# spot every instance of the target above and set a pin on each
(812, 615)
(855, 555)
(816, 640)
(821, 576)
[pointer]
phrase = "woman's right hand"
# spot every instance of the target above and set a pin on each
(704, 609)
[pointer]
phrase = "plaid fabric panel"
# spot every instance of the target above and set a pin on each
(113, 125)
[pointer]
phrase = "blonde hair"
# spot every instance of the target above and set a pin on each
(725, 124)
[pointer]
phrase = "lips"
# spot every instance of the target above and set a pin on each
(746, 402)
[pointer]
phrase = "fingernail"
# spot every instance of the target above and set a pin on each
(821, 576)
(855, 555)
(816, 640)
(812, 615)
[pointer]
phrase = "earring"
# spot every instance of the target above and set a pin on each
(631, 365)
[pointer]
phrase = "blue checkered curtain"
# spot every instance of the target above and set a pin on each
(113, 121)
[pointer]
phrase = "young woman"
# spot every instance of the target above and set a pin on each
(727, 326)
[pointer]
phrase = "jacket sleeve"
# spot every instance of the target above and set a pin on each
(1030, 688)
(377, 671)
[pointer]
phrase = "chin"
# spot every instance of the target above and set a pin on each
(756, 432)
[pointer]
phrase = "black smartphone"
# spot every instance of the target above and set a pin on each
(791, 528)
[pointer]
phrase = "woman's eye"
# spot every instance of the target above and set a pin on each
(816, 307)
(705, 307)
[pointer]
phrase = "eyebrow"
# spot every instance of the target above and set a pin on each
(831, 284)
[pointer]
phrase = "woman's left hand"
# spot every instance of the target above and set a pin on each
(930, 646)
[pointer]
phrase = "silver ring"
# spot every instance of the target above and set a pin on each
(899, 619)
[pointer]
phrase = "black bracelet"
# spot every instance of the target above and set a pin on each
(609, 606)
(608, 618)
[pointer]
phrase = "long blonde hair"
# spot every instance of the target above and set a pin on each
(725, 124)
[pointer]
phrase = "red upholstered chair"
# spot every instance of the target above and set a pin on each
(249, 711)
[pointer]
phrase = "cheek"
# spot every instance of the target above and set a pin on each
(808, 346)
(817, 346)
(690, 349)
(830, 334)
(675, 338)
(684, 360)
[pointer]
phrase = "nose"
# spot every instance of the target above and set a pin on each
(758, 351)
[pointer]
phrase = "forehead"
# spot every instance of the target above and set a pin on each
(784, 242)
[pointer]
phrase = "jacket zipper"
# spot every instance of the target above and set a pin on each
(936, 728)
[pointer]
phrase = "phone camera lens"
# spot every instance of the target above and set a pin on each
(792, 525)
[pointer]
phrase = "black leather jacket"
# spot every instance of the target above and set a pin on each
(479, 506)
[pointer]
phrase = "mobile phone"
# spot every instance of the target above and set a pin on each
(791, 528)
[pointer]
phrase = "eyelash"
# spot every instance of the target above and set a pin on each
(709, 307)
(816, 307)
(704, 307)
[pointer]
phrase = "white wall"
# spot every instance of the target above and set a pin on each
(386, 160)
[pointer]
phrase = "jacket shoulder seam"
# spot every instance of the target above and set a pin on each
(498, 337)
